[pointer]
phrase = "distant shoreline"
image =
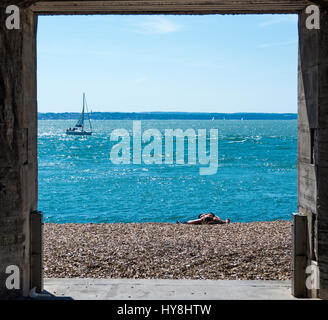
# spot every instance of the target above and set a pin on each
(168, 116)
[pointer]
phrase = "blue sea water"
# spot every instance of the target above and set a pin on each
(256, 178)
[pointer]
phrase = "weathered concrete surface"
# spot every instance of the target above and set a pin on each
(18, 154)
(313, 142)
(129, 289)
(170, 6)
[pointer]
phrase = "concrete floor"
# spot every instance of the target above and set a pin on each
(148, 289)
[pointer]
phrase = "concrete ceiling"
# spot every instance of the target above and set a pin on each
(169, 6)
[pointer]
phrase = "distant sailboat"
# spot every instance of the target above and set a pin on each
(78, 129)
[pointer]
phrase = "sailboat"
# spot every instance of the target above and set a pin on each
(78, 129)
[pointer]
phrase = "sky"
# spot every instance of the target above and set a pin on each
(126, 63)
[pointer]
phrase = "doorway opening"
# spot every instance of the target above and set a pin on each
(255, 155)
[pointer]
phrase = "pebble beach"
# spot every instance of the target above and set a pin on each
(237, 251)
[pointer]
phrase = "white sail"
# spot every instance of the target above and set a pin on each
(80, 123)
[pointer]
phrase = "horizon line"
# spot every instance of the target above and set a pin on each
(186, 112)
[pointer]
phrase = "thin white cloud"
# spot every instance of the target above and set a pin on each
(278, 19)
(142, 79)
(277, 44)
(156, 25)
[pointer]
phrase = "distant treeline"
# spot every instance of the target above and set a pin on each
(169, 116)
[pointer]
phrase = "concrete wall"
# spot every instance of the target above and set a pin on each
(18, 152)
(313, 142)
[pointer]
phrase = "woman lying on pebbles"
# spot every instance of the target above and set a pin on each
(206, 218)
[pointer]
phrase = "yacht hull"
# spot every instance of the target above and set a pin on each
(78, 133)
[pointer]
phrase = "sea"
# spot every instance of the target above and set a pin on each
(256, 177)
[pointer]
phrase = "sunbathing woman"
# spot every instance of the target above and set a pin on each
(207, 218)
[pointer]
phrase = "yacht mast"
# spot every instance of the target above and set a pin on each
(83, 110)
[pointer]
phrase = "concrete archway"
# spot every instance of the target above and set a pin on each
(19, 222)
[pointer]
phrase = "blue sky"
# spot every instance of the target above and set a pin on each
(212, 63)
